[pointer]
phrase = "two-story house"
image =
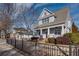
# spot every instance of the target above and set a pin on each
(54, 24)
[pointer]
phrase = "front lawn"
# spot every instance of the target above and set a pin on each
(74, 37)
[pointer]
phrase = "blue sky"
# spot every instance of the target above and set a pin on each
(25, 14)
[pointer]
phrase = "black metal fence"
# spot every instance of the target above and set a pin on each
(44, 49)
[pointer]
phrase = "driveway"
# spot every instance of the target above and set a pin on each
(9, 50)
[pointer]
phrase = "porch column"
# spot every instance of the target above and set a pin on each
(62, 32)
(40, 31)
(48, 32)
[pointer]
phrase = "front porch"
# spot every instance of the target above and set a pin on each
(51, 31)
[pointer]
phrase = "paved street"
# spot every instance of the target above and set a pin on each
(8, 50)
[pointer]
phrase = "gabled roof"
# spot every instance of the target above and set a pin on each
(47, 10)
(61, 17)
(44, 13)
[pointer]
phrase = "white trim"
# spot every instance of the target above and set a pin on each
(44, 9)
(40, 31)
(48, 31)
(47, 9)
(50, 26)
(63, 30)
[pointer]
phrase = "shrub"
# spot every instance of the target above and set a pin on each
(46, 41)
(68, 38)
(62, 40)
(68, 35)
(51, 40)
(74, 37)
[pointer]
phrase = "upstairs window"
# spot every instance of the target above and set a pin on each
(51, 19)
(38, 32)
(45, 20)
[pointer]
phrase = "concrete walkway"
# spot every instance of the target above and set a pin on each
(8, 50)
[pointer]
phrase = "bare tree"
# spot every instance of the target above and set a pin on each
(5, 19)
(5, 23)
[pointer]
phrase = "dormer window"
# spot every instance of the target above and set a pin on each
(51, 19)
(46, 17)
(44, 13)
(46, 20)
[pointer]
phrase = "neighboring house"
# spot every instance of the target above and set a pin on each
(20, 33)
(54, 24)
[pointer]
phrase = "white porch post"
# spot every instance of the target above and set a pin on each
(62, 32)
(40, 31)
(48, 32)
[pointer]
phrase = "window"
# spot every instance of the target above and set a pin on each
(56, 30)
(52, 30)
(44, 31)
(40, 22)
(38, 32)
(51, 19)
(45, 20)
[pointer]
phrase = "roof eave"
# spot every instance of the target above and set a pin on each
(48, 25)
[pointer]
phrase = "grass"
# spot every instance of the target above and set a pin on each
(74, 37)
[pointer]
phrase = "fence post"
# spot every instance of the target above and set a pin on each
(11, 41)
(70, 46)
(7, 40)
(76, 50)
(35, 47)
(22, 43)
(70, 50)
(15, 42)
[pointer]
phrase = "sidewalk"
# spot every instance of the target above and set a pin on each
(8, 50)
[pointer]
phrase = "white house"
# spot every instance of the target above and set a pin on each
(54, 24)
(20, 33)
